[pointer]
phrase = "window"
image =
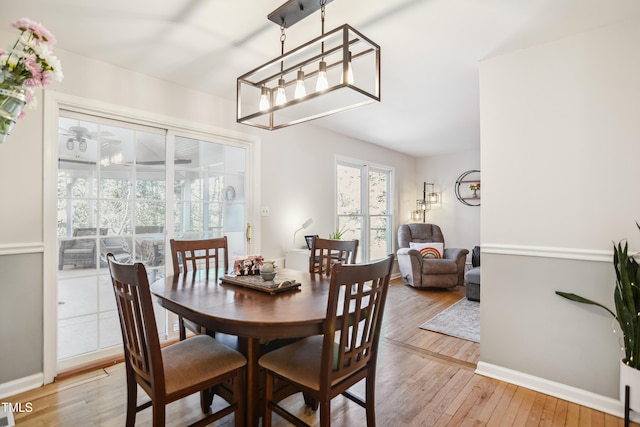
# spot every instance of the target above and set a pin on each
(363, 207)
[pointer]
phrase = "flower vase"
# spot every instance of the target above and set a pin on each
(268, 271)
(12, 102)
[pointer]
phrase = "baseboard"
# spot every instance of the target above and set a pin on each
(21, 385)
(561, 391)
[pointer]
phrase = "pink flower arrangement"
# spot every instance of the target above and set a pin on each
(30, 63)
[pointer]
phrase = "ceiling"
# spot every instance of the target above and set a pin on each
(430, 50)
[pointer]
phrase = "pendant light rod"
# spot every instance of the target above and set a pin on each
(294, 11)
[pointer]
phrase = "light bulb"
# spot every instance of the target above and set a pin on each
(300, 89)
(350, 78)
(322, 82)
(281, 97)
(264, 99)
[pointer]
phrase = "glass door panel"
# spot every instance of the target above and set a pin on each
(209, 192)
(111, 199)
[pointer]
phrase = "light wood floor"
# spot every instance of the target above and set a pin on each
(424, 379)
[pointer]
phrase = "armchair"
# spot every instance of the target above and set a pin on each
(119, 246)
(81, 253)
(427, 271)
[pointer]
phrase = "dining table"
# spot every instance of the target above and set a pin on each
(255, 317)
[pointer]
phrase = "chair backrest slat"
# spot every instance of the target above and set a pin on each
(192, 255)
(327, 252)
(354, 316)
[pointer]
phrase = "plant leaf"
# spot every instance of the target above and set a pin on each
(578, 298)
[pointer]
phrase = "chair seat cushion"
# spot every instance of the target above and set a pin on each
(299, 362)
(439, 266)
(205, 357)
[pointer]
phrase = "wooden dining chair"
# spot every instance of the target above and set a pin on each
(192, 255)
(324, 366)
(200, 364)
(326, 252)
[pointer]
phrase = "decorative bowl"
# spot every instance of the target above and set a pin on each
(268, 276)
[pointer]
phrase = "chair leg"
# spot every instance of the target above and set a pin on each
(268, 396)
(370, 399)
(158, 409)
(238, 386)
(206, 399)
(310, 402)
(181, 329)
(132, 398)
(325, 413)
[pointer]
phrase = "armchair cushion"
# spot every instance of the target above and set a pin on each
(439, 266)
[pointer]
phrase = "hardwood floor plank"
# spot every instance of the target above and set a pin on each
(492, 403)
(573, 415)
(535, 414)
(524, 410)
(550, 405)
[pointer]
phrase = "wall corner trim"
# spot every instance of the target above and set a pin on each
(21, 248)
(548, 252)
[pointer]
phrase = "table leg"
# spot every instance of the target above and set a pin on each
(250, 347)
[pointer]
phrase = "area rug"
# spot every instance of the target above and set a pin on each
(461, 320)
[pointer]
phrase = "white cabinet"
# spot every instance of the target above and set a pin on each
(297, 259)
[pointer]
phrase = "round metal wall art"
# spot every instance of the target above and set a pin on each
(468, 188)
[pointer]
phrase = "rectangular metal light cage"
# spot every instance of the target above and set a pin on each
(335, 48)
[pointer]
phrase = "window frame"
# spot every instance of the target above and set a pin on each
(365, 167)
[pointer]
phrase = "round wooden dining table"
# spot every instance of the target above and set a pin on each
(251, 315)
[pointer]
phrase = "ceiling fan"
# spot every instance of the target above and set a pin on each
(79, 135)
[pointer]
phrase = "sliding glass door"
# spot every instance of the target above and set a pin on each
(112, 197)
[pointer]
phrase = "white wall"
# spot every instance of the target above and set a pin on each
(460, 223)
(560, 148)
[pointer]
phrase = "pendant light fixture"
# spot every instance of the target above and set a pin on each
(264, 99)
(322, 83)
(313, 80)
(281, 96)
(424, 205)
(301, 90)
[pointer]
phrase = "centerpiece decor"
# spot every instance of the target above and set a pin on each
(248, 266)
(627, 314)
(28, 65)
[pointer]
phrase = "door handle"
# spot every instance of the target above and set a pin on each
(248, 233)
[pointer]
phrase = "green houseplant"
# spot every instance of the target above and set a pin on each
(337, 235)
(627, 301)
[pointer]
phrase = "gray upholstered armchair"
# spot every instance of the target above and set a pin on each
(425, 272)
